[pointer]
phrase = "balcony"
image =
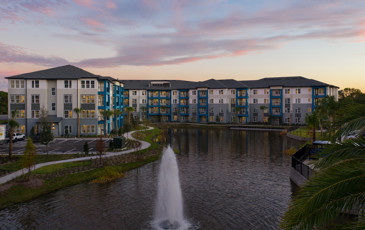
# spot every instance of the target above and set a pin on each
(241, 93)
(276, 93)
(275, 102)
(202, 93)
(276, 112)
(202, 102)
(184, 94)
(165, 94)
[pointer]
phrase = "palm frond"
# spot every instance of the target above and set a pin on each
(354, 119)
(353, 148)
(333, 190)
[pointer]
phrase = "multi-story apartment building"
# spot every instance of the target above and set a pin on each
(60, 90)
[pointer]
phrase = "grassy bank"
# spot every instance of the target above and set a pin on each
(18, 191)
(305, 132)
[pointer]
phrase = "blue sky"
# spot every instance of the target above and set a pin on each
(191, 40)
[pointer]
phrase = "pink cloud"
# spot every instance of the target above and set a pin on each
(111, 5)
(95, 25)
(87, 3)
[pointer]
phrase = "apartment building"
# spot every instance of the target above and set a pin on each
(62, 89)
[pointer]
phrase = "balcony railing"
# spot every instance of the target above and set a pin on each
(275, 93)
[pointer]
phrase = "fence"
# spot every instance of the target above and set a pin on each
(297, 162)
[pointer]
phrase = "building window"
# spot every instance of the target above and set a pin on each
(68, 129)
(297, 120)
(254, 91)
(68, 84)
(220, 101)
(255, 119)
(19, 99)
(19, 114)
(233, 101)
(287, 91)
(309, 99)
(68, 98)
(211, 101)
(221, 91)
(83, 84)
(287, 120)
(87, 99)
(255, 100)
(68, 114)
(297, 100)
(233, 91)
(267, 91)
(174, 101)
(134, 92)
(88, 114)
(287, 109)
(134, 101)
(53, 106)
(35, 99)
(254, 110)
(194, 101)
(266, 101)
(143, 92)
(211, 92)
(144, 101)
(193, 92)
(309, 90)
(88, 129)
(309, 110)
(174, 92)
(287, 100)
(87, 84)
(92, 84)
(35, 113)
(17, 84)
(297, 110)
(297, 91)
(53, 91)
(35, 84)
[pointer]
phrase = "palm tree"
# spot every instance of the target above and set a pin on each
(339, 185)
(116, 113)
(12, 125)
(129, 111)
(106, 114)
(78, 111)
(312, 121)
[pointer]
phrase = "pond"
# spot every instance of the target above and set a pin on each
(230, 179)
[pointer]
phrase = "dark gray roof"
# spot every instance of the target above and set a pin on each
(51, 118)
(178, 84)
(296, 81)
(61, 72)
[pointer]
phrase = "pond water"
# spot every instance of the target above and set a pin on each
(230, 179)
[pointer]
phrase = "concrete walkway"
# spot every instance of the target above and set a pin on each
(144, 145)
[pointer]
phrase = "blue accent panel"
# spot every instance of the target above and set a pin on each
(202, 106)
(242, 106)
(314, 96)
(276, 106)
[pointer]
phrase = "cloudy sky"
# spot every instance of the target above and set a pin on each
(187, 39)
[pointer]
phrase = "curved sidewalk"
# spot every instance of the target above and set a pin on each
(144, 145)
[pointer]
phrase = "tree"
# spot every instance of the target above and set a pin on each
(129, 111)
(78, 111)
(12, 125)
(86, 148)
(28, 158)
(3, 102)
(106, 114)
(312, 121)
(338, 187)
(116, 113)
(46, 129)
(100, 146)
(349, 92)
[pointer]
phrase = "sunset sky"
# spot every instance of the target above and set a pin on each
(187, 39)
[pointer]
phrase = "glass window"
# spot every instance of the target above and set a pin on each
(17, 83)
(35, 84)
(92, 84)
(83, 84)
(87, 84)
(53, 91)
(35, 99)
(68, 114)
(53, 106)
(12, 83)
(68, 98)
(68, 84)
(221, 91)
(255, 91)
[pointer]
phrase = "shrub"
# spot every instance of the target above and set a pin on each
(86, 148)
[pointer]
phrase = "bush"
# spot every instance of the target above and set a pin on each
(86, 148)
(111, 145)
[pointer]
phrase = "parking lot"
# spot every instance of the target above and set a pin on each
(57, 146)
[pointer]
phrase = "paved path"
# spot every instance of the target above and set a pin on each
(18, 173)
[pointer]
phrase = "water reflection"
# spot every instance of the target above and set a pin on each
(230, 179)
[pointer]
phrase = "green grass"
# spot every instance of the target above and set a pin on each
(19, 193)
(307, 133)
(17, 165)
(56, 167)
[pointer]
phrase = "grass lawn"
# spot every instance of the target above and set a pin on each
(17, 165)
(21, 192)
(307, 133)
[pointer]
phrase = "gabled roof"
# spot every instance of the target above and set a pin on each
(296, 81)
(61, 72)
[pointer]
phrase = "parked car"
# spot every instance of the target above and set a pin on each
(16, 137)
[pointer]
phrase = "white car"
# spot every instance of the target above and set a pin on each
(16, 137)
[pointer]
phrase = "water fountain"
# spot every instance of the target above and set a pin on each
(169, 205)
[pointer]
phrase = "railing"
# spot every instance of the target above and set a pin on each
(297, 162)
